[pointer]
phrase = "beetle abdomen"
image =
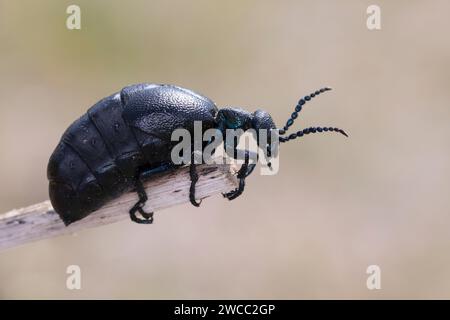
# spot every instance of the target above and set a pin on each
(94, 162)
(74, 190)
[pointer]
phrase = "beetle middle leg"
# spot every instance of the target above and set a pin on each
(194, 178)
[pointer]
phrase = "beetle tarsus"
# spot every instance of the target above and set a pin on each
(194, 178)
(245, 170)
(236, 192)
(138, 206)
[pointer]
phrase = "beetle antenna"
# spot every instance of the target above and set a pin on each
(299, 107)
(301, 133)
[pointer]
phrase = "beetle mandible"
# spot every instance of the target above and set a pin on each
(125, 139)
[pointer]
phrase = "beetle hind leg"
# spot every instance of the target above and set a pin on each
(139, 206)
(145, 174)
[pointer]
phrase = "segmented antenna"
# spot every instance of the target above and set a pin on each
(301, 133)
(299, 107)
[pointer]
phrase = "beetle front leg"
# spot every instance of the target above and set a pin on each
(245, 170)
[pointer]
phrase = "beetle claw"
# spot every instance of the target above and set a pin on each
(148, 216)
(236, 192)
(194, 202)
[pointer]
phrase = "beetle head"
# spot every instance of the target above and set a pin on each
(236, 118)
(261, 120)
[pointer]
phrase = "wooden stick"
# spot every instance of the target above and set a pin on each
(40, 221)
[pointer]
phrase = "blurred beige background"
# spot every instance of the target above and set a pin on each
(337, 205)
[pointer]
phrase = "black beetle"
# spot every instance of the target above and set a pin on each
(126, 138)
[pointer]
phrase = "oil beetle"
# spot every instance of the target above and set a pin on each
(126, 138)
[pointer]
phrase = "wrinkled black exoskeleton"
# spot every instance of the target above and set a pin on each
(126, 138)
